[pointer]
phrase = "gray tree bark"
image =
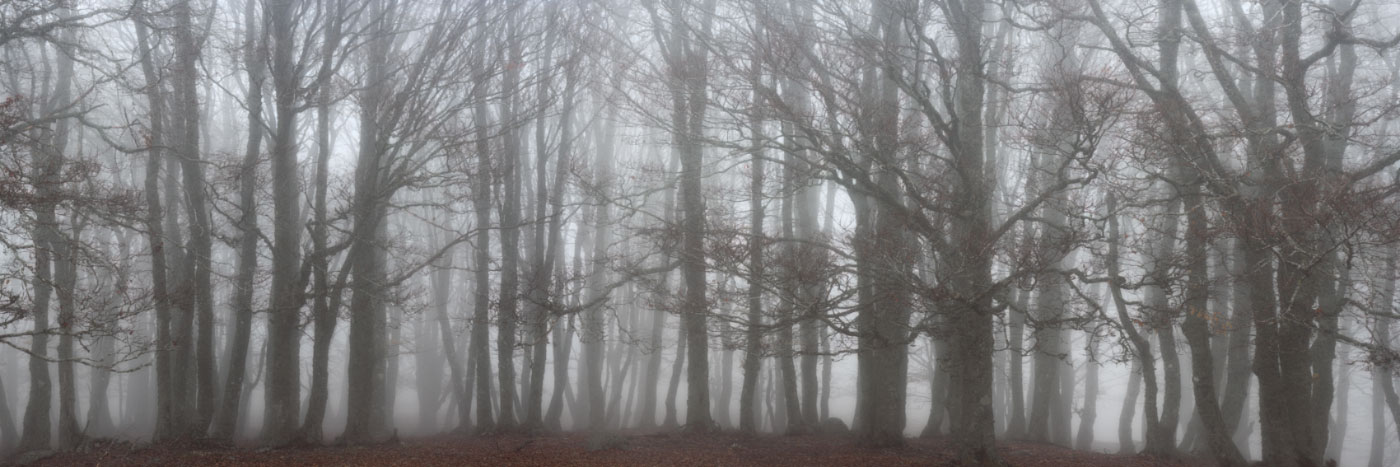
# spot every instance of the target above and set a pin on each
(753, 332)
(155, 237)
(254, 59)
(282, 410)
(1129, 411)
(325, 309)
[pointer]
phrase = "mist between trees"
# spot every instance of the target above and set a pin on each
(282, 221)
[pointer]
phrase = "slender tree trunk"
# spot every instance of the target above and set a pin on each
(187, 52)
(49, 255)
(1237, 373)
(1197, 332)
(510, 233)
(695, 305)
(597, 297)
(1378, 433)
(1084, 441)
(753, 332)
(788, 308)
(676, 368)
(481, 204)
(9, 433)
(254, 58)
(542, 271)
(1129, 412)
(99, 413)
(393, 352)
(563, 343)
(1147, 365)
(324, 313)
(1161, 315)
(726, 384)
(65, 282)
(156, 240)
(1338, 425)
(938, 390)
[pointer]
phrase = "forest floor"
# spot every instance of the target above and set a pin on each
(574, 449)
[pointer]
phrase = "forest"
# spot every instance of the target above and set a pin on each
(917, 232)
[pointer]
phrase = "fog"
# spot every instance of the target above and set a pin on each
(1166, 227)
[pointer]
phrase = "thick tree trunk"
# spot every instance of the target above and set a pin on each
(972, 324)
(695, 307)
(282, 407)
(366, 359)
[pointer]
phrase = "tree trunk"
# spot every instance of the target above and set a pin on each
(1125, 417)
(65, 262)
(254, 58)
(1197, 331)
(796, 424)
(282, 409)
(366, 359)
(726, 384)
(324, 313)
(597, 297)
(1147, 365)
(938, 390)
(9, 433)
(1338, 425)
(481, 204)
(1084, 441)
(695, 307)
(1378, 399)
(155, 237)
(510, 232)
(187, 51)
(1383, 374)
(753, 332)
(676, 368)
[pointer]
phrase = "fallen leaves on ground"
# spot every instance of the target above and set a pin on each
(577, 449)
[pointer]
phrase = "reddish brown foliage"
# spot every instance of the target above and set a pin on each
(574, 450)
